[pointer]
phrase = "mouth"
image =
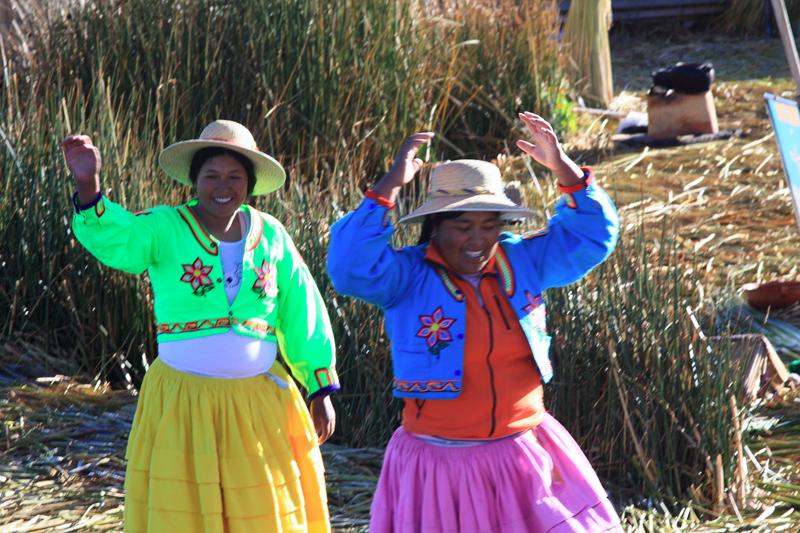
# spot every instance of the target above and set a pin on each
(222, 200)
(474, 255)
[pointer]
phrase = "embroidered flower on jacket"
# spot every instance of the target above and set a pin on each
(264, 279)
(536, 308)
(434, 330)
(196, 274)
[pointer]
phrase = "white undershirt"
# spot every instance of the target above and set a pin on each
(224, 355)
(475, 281)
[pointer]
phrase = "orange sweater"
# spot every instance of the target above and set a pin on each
(502, 393)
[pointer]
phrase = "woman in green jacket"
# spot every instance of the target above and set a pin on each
(221, 440)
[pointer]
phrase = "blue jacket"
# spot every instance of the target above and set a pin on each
(425, 314)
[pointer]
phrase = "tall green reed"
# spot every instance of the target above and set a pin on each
(638, 379)
(331, 88)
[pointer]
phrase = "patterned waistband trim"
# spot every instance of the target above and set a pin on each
(212, 323)
(449, 385)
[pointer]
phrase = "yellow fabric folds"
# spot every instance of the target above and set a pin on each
(222, 456)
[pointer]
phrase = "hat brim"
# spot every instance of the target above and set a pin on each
(176, 158)
(480, 202)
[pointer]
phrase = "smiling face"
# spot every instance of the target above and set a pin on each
(221, 187)
(468, 241)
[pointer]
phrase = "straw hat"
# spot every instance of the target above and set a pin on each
(467, 185)
(176, 158)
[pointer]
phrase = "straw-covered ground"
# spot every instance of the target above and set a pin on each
(62, 440)
(728, 198)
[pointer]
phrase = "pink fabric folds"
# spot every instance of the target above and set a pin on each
(537, 482)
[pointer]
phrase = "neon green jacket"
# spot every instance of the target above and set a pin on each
(278, 299)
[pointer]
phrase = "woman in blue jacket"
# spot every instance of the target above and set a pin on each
(477, 451)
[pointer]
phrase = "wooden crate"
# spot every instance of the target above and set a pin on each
(681, 114)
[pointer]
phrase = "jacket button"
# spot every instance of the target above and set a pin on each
(457, 372)
(230, 313)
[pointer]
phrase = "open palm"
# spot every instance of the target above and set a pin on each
(545, 148)
(405, 163)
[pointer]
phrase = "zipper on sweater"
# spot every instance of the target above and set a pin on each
(419, 404)
(502, 314)
(491, 371)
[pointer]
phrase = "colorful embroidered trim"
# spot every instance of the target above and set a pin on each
(380, 200)
(212, 323)
(506, 273)
(462, 192)
(323, 376)
(454, 291)
(535, 234)
(449, 385)
(256, 230)
(203, 238)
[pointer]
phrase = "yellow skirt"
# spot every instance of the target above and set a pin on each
(222, 455)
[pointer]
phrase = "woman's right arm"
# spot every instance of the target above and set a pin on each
(361, 260)
(114, 235)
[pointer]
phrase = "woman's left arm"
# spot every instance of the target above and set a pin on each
(305, 335)
(584, 230)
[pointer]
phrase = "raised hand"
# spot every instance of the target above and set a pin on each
(84, 161)
(547, 151)
(404, 166)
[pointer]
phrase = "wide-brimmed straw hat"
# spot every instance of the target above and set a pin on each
(176, 158)
(467, 185)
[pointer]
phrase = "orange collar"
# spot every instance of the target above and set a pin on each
(498, 265)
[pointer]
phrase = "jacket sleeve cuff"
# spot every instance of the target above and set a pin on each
(323, 382)
(380, 200)
(98, 204)
(569, 192)
(324, 391)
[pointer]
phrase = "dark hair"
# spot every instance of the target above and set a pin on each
(204, 154)
(431, 222)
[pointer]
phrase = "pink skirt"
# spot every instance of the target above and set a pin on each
(537, 482)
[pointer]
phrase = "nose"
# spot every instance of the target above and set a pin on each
(477, 238)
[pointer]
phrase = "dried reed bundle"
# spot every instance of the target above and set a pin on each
(586, 45)
(748, 17)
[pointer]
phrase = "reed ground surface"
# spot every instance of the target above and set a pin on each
(62, 442)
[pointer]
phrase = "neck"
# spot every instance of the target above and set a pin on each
(223, 228)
